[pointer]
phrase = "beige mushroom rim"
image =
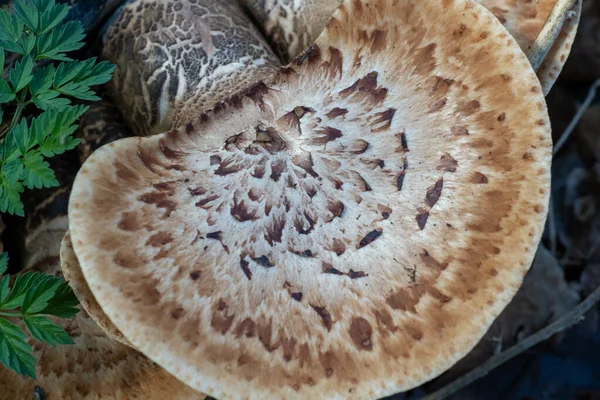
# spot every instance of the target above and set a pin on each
(72, 272)
(525, 20)
(349, 227)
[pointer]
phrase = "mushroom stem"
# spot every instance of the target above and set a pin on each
(562, 11)
(575, 316)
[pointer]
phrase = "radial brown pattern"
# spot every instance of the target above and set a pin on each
(349, 227)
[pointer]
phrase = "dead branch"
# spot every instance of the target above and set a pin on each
(562, 11)
(573, 317)
(582, 109)
(552, 231)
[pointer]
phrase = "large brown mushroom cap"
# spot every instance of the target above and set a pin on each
(349, 227)
(95, 367)
(175, 57)
(525, 20)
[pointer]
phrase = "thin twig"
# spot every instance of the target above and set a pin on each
(573, 317)
(552, 232)
(554, 24)
(582, 109)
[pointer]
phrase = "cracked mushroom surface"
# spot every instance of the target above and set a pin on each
(173, 56)
(349, 227)
(525, 20)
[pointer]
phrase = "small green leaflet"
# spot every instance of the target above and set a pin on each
(6, 93)
(13, 170)
(42, 80)
(75, 78)
(18, 135)
(15, 353)
(5, 26)
(53, 130)
(36, 172)
(66, 71)
(28, 42)
(21, 73)
(37, 295)
(5, 280)
(43, 330)
(4, 288)
(44, 5)
(63, 304)
(28, 13)
(3, 265)
(48, 100)
(10, 198)
(11, 29)
(55, 43)
(52, 17)
(20, 287)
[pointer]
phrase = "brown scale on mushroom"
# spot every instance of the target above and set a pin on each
(377, 289)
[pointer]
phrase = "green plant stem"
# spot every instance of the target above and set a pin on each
(20, 107)
(7, 314)
(16, 116)
(21, 104)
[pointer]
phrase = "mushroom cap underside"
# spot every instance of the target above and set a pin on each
(349, 227)
(525, 20)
